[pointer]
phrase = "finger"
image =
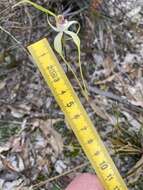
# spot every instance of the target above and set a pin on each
(85, 182)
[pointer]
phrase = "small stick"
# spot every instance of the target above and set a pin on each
(9, 34)
(61, 175)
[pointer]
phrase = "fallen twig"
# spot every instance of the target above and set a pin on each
(61, 175)
(115, 97)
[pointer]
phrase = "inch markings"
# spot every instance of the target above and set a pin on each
(76, 115)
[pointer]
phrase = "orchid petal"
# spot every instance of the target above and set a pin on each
(58, 43)
(53, 27)
(75, 38)
(71, 23)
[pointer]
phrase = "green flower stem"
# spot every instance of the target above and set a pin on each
(81, 74)
(83, 92)
(39, 7)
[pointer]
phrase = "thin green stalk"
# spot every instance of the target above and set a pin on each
(74, 74)
(39, 7)
(81, 74)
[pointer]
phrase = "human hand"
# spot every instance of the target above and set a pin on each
(85, 182)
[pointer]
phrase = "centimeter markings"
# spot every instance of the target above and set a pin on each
(76, 115)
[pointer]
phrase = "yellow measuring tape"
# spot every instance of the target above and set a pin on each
(76, 115)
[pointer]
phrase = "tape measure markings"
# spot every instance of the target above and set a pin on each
(76, 116)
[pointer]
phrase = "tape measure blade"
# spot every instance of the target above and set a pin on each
(76, 115)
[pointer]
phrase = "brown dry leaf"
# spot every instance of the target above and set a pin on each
(20, 110)
(135, 73)
(21, 147)
(136, 92)
(132, 120)
(2, 84)
(50, 133)
(108, 66)
(136, 172)
(5, 148)
(25, 153)
(7, 164)
(99, 107)
(99, 110)
(16, 144)
(15, 185)
(16, 163)
(42, 162)
(13, 146)
(108, 79)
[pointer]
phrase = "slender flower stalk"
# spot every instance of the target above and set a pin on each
(40, 8)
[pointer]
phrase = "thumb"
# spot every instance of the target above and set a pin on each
(85, 182)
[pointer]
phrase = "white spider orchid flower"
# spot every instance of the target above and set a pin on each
(62, 26)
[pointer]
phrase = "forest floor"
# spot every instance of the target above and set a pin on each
(38, 150)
